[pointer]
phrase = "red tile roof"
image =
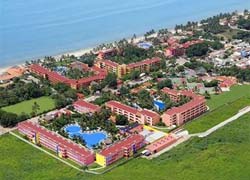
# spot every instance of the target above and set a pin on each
(143, 112)
(88, 105)
(144, 62)
(170, 91)
(191, 104)
(196, 100)
(120, 146)
(65, 143)
(111, 63)
(38, 68)
(149, 113)
(54, 76)
(161, 143)
(121, 106)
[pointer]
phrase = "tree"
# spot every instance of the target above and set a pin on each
(145, 100)
(207, 95)
(35, 108)
(200, 49)
(216, 45)
(165, 83)
(121, 120)
(134, 75)
(180, 68)
(111, 80)
(213, 83)
(124, 90)
(61, 87)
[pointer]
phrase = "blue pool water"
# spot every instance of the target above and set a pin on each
(91, 138)
(160, 105)
(35, 28)
(144, 45)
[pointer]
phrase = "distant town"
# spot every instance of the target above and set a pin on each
(137, 97)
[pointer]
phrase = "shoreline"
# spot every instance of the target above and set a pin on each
(76, 53)
(81, 51)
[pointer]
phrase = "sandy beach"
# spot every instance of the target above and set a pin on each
(76, 53)
(4, 69)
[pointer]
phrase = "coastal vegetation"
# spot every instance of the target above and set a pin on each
(128, 53)
(244, 23)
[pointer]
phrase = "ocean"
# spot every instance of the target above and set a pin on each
(32, 29)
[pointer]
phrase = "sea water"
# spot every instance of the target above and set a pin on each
(36, 28)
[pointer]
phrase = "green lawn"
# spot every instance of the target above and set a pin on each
(222, 107)
(22, 161)
(222, 155)
(45, 103)
(216, 116)
(229, 33)
(235, 93)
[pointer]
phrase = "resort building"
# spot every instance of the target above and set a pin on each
(143, 116)
(110, 66)
(11, 73)
(225, 82)
(80, 66)
(54, 77)
(161, 144)
(143, 66)
(63, 147)
(124, 148)
(123, 69)
(176, 49)
(179, 115)
(86, 107)
(173, 94)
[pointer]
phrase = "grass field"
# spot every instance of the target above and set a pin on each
(216, 116)
(222, 155)
(22, 161)
(229, 34)
(222, 107)
(235, 93)
(45, 103)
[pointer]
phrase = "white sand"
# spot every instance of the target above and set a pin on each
(4, 69)
(76, 53)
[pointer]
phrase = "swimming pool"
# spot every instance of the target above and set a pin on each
(159, 105)
(92, 138)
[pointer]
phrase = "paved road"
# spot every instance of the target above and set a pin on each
(203, 134)
(215, 128)
(5, 130)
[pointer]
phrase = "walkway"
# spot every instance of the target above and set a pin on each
(5, 130)
(215, 128)
(203, 134)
